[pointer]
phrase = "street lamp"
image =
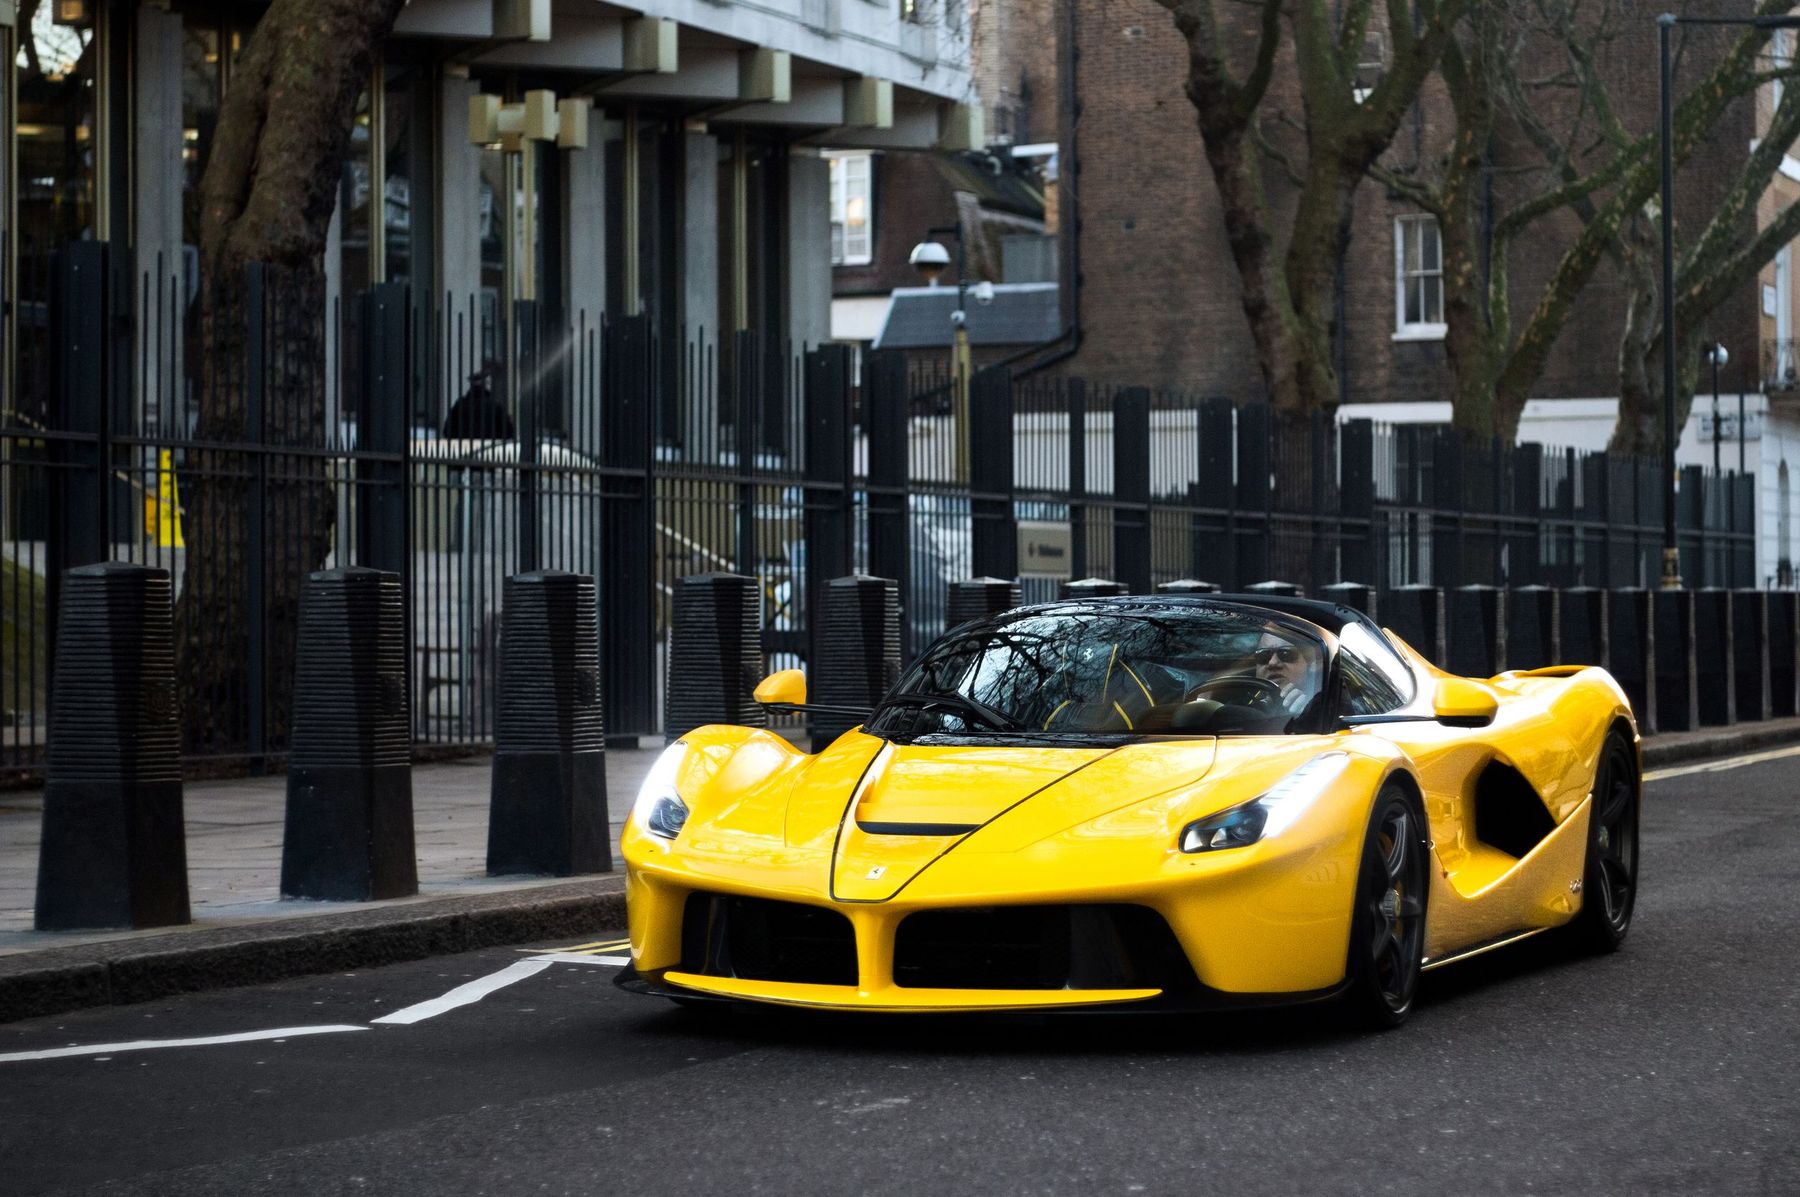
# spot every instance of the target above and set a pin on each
(1665, 25)
(930, 259)
(1716, 354)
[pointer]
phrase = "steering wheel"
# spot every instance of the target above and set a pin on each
(1242, 690)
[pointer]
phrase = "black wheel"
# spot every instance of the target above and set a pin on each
(1387, 929)
(1609, 881)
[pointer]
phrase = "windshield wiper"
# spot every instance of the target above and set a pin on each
(969, 706)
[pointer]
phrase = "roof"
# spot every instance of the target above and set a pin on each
(1020, 314)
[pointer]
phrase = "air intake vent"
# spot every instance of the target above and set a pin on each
(756, 939)
(1040, 947)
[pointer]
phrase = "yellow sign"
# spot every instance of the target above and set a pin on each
(162, 514)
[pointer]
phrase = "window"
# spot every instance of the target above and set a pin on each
(1418, 279)
(1781, 57)
(1374, 680)
(852, 233)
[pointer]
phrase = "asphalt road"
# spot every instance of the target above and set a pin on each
(1668, 1067)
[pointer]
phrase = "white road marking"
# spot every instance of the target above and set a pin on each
(1730, 762)
(137, 1045)
(567, 958)
(467, 994)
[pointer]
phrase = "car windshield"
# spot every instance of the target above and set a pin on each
(1202, 671)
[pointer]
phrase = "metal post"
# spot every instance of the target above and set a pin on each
(1713, 353)
(1665, 25)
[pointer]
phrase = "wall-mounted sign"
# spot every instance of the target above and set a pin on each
(1046, 549)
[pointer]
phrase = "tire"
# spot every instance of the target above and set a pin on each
(1387, 926)
(1609, 877)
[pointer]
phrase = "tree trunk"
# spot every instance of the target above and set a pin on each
(267, 197)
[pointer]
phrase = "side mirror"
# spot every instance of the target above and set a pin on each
(786, 687)
(1459, 702)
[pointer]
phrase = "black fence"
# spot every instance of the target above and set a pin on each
(246, 437)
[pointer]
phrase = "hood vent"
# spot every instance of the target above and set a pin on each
(917, 828)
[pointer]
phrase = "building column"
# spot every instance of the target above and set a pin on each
(458, 244)
(700, 281)
(156, 223)
(808, 250)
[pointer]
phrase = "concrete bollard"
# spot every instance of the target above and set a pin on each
(1476, 640)
(1750, 653)
(1784, 653)
(1187, 586)
(715, 654)
(1533, 634)
(1415, 613)
(856, 650)
(1632, 650)
(1276, 589)
(113, 852)
(978, 598)
(1090, 588)
(1353, 595)
(1582, 623)
(1673, 626)
(1715, 687)
(547, 792)
(349, 786)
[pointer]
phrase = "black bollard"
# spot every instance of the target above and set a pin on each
(349, 792)
(1581, 620)
(113, 852)
(1676, 700)
(715, 654)
(977, 598)
(1275, 589)
(1750, 652)
(1353, 595)
(1187, 586)
(547, 793)
(1715, 687)
(856, 651)
(1090, 588)
(1632, 650)
(1784, 654)
(1415, 613)
(1533, 638)
(1476, 631)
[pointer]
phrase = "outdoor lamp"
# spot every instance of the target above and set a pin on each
(931, 260)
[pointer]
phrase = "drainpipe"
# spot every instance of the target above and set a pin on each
(1068, 342)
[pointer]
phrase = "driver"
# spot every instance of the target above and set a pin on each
(1289, 665)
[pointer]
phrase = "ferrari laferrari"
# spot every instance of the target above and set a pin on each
(1165, 802)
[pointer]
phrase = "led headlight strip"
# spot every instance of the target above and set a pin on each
(659, 809)
(1269, 813)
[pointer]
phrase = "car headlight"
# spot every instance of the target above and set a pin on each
(659, 809)
(1270, 812)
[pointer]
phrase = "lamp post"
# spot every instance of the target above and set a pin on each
(1665, 27)
(1718, 357)
(930, 259)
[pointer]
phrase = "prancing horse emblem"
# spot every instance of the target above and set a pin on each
(875, 873)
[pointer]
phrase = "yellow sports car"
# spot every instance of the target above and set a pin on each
(1166, 802)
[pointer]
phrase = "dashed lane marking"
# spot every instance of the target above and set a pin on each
(1720, 766)
(138, 1045)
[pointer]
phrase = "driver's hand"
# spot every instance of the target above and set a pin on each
(1293, 700)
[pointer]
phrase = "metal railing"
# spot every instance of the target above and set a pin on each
(244, 441)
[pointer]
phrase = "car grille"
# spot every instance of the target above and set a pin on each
(757, 939)
(1040, 947)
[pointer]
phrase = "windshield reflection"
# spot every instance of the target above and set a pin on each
(1201, 672)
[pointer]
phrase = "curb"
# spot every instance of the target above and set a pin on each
(57, 980)
(1679, 747)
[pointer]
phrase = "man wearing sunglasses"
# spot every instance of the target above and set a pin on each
(1289, 666)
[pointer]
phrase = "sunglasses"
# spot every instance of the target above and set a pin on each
(1287, 654)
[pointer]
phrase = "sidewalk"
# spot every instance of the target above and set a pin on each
(244, 932)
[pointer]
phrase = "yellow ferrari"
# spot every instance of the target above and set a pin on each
(1162, 802)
